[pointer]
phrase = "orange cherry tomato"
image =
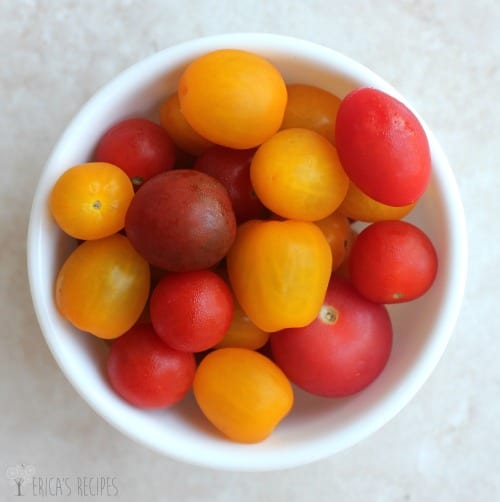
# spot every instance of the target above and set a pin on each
(233, 98)
(89, 201)
(243, 332)
(359, 206)
(312, 108)
(182, 134)
(242, 393)
(343, 269)
(103, 286)
(297, 175)
(337, 230)
(279, 272)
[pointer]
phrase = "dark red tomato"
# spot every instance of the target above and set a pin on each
(232, 169)
(382, 147)
(342, 351)
(181, 220)
(392, 262)
(146, 372)
(191, 311)
(139, 146)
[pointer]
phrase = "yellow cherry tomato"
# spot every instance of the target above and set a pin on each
(89, 201)
(279, 272)
(337, 231)
(242, 393)
(233, 98)
(103, 286)
(182, 134)
(297, 174)
(243, 332)
(312, 108)
(359, 206)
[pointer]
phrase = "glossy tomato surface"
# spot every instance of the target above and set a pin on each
(233, 97)
(191, 311)
(146, 372)
(232, 168)
(139, 146)
(392, 262)
(103, 286)
(242, 393)
(279, 272)
(382, 147)
(181, 220)
(90, 201)
(343, 350)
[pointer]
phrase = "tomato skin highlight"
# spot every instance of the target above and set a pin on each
(146, 372)
(103, 286)
(342, 351)
(392, 262)
(382, 147)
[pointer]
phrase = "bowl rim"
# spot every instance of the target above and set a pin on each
(455, 286)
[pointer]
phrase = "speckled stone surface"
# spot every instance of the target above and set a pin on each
(444, 56)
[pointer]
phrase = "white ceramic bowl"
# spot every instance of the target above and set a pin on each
(317, 427)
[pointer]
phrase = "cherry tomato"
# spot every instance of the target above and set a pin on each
(139, 146)
(232, 168)
(146, 372)
(233, 98)
(337, 231)
(392, 262)
(359, 206)
(312, 108)
(279, 272)
(90, 201)
(297, 174)
(342, 351)
(243, 333)
(191, 311)
(181, 220)
(103, 286)
(183, 135)
(242, 393)
(382, 147)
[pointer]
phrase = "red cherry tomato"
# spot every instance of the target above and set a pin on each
(382, 147)
(392, 262)
(191, 311)
(342, 351)
(146, 372)
(139, 146)
(232, 168)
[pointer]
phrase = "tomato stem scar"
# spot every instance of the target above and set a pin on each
(328, 314)
(97, 204)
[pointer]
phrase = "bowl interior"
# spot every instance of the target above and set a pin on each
(317, 427)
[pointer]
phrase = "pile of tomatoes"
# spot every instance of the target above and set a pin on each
(216, 248)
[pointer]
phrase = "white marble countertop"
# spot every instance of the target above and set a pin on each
(444, 57)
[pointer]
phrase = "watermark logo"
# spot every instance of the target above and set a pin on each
(18, 475)
(26, 481)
